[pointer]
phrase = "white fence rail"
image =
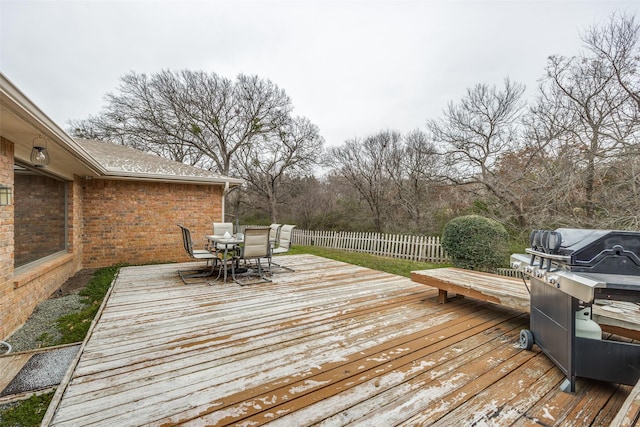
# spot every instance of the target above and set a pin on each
(508, 272)
(415, 248)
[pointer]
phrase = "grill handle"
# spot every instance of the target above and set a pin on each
(552, 257)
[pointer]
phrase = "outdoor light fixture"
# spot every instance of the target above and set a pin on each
(39, 154)
(5, 195)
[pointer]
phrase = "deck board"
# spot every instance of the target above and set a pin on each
(617, 317)
(328, 344)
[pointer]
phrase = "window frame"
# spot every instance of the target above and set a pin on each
(22, 167)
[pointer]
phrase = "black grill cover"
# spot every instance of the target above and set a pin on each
(601, 251)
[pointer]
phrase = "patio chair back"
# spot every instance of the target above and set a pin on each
(198, 254)
(255, 246)
(286, 234)
(256, 243)
(186, 240)
(274, 232)
(219, 228)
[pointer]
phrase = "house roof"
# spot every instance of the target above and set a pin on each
(126, 162)
(21, 121)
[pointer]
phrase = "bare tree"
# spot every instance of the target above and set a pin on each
(591, 120)
(617, 45)
(475, 133)
(312, 203)
(619, 193)
(363, 164)
(194, 117)
(413, 167)
(291, 150)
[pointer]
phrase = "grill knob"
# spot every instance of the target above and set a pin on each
(553, 280)
(516, 265)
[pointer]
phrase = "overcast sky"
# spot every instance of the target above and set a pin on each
(352, 67)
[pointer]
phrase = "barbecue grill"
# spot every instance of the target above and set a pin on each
(568, 269)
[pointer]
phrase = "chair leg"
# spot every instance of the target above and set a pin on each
(269, 265)
(197, 274)
(261, 275)
(233, 269)
(279, 266)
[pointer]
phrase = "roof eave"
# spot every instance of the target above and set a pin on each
(23, 107)
(233, 182)
(19, 105)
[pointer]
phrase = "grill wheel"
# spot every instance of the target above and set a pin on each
(526, 339)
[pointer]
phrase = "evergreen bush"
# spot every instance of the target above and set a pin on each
(475, 242)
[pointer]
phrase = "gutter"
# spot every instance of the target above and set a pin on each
(170, 178)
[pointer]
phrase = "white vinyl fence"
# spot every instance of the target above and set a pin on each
(415, 248)
(508, 272)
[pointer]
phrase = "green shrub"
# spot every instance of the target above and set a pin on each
(475, 242)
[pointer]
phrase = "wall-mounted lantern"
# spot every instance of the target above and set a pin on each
(5, 195)
(39, 154)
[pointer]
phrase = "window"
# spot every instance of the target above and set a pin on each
(40, 215)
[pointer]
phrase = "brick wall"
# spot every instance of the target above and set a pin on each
(109, 222)
(6, 232)
(135, 222)
(6, 239)
(74, 220)
(28, 288)
(21, 291)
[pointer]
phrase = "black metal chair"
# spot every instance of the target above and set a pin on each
(198, 254)
(254, 247)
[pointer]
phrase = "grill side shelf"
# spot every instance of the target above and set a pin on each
(577, 286)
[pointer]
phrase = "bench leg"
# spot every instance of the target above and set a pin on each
(442, 296)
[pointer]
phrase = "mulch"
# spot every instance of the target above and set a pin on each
(75, 283)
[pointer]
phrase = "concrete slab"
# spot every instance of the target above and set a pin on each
(43, 370)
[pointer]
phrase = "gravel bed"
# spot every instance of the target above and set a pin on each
(43, 320)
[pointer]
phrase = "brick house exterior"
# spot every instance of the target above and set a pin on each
(133, 222)
(120, 206)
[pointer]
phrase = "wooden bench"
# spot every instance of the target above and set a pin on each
(618, 318)
(500, 290)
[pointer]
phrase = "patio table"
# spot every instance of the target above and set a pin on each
(227, 243)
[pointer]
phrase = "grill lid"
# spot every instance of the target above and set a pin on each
(590, 251)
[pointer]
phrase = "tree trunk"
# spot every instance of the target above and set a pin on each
(589, 184)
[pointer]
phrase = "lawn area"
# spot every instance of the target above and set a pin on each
(400, 267)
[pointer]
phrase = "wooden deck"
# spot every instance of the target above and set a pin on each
(615, 317)
(329, 344)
